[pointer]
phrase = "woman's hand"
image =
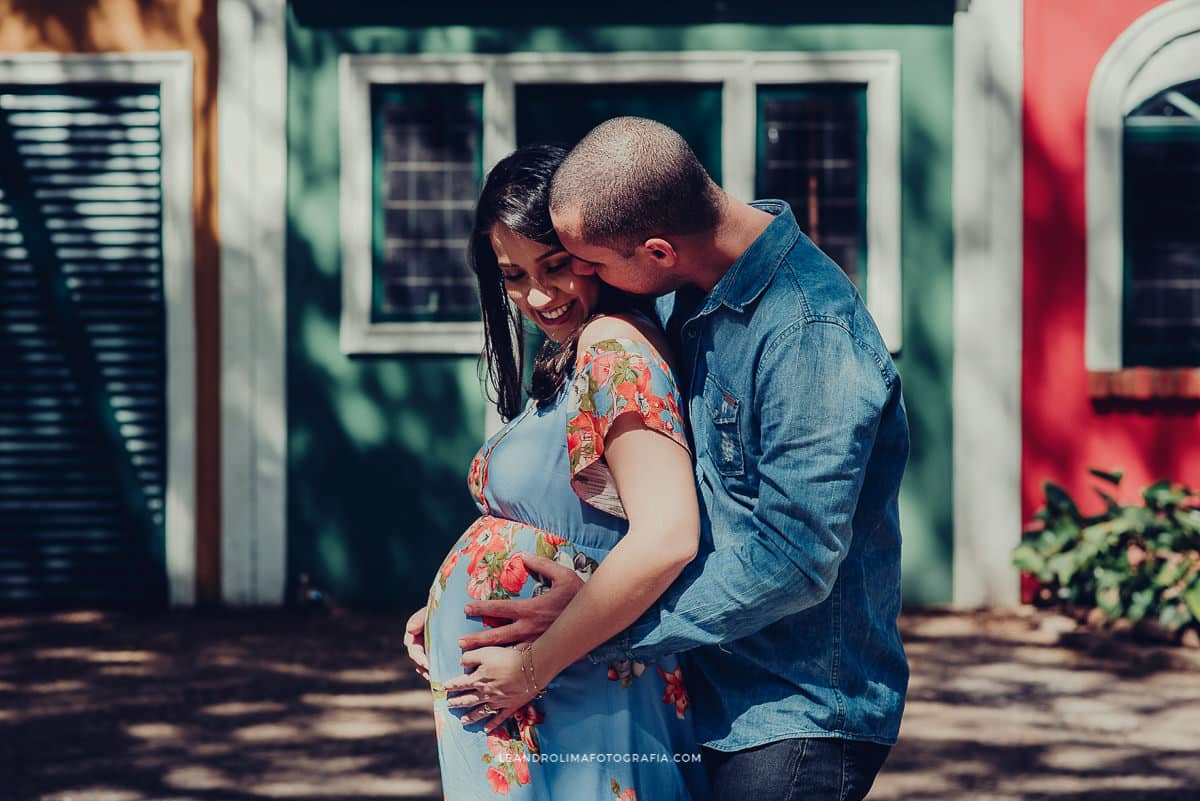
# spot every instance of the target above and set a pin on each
(497, 687)
(414, 641)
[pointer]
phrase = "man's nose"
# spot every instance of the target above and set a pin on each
(537, 297)
(581, 267)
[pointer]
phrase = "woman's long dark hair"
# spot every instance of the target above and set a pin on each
(516, 195)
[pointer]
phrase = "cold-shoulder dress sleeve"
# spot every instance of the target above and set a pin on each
(615, 377)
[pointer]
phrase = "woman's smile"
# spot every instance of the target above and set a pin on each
(539, 281)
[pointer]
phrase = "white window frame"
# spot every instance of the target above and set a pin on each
(172, 73)
(739, 74)
(1155, 53)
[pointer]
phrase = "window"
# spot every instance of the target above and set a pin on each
(418, 132)
(428, 161)
(1143, 197)
(1162, 230)
(811, 153)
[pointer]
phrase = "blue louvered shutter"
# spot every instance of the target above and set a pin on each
(82, 357)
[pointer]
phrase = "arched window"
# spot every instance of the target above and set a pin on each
(1143, 195)
(1161, 172)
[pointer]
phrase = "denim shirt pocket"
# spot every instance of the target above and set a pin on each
(724, 440)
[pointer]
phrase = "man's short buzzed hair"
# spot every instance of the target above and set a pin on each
(632, 179)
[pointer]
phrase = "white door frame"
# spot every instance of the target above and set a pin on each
(988, 265)
(252, 147)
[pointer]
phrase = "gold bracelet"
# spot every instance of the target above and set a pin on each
(530, 675)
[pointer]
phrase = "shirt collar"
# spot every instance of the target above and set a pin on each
(746, 279)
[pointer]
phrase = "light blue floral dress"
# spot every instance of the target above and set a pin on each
(620, 731)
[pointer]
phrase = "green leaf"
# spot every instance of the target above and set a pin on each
(1192, 598)
(1107, 578)
(545, 549)
(1063, 567)
(1111, 476)
(1109, 601)
(1101, 534)
(1174, 616)
(1057, 537)
(1170, 573)
(1110, 502)
(1164, 494)
(1136, 518)
(1059, 501)
(1188, 520)
(1027, 558)
(1141, 603)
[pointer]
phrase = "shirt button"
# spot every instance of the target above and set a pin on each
(691, 333)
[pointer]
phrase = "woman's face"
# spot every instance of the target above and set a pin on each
(539, 280)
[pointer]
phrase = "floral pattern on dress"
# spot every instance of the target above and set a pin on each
(628, 794)
(676, 692)
(507, 760)
(625, 671)
(509, 748)
(477, 479)
(613, 377)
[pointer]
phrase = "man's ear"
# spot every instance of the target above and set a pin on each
(661, 251)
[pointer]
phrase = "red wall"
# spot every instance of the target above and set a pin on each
(1065, 432)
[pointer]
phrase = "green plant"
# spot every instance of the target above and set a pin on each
(1138, 562)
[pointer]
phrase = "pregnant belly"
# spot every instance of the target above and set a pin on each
(485, 565)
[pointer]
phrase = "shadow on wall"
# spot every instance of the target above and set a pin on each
(925, 364)
(378, 451)
(378, 447)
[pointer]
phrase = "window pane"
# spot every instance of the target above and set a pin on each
(1162, 236)
(428, 164)
(563, 113)
(812, 153)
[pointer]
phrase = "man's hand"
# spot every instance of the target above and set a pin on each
(531, 616)
(414, 641)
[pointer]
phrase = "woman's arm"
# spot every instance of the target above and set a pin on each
(654, 478)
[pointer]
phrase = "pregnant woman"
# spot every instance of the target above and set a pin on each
(593, 474)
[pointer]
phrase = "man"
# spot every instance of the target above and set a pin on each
(798, 675)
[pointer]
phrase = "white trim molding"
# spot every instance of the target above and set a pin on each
(1154, 53)
(172, 73)
(252, 142)
(988, 236)
(738, 73)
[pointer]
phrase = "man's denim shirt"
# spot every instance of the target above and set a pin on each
(789, 612)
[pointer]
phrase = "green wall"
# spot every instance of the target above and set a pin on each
(378, 447)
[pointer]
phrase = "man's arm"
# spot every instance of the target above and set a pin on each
(819, 399)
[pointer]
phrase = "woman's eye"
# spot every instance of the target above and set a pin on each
(557, 266)
(510, 277)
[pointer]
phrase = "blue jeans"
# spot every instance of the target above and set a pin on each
(812, 769)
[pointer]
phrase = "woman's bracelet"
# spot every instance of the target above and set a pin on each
(530, 676)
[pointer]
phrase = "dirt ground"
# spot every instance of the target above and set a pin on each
(245, 706)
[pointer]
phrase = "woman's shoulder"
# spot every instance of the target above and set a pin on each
(624, 327)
